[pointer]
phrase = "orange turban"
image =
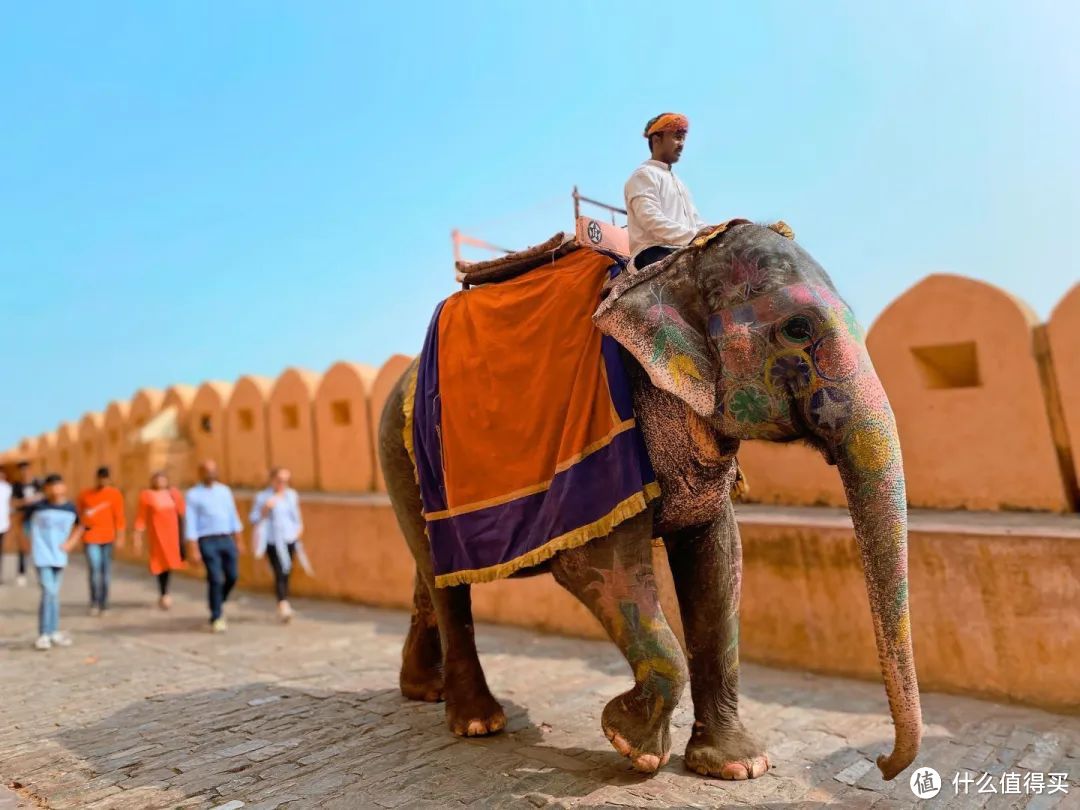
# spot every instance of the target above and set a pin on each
(666, 122)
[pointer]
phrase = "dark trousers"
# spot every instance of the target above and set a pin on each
(281, 578)
(21, 554)
(220, 558)
(652, 255)
(163, 582)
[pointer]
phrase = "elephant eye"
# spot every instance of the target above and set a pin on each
(798, 329)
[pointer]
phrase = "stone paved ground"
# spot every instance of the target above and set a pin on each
(149, 710)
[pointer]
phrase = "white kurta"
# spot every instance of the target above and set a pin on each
(659, 208)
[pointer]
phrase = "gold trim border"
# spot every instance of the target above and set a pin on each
(633, 505)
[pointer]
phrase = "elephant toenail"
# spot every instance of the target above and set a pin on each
(647, 763)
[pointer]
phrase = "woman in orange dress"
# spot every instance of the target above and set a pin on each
(161, 510)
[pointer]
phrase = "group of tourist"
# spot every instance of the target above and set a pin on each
(201, 525)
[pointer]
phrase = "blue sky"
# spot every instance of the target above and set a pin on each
(197, 190)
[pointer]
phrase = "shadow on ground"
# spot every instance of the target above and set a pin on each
(287, 745)
(264, 741)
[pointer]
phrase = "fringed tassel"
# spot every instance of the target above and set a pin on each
(408, 405)
(627, 509)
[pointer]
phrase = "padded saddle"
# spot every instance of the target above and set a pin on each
(589, 234)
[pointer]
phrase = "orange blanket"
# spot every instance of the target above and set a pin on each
(524, 443)
(517, 360)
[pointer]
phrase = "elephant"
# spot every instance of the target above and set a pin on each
(739, 336)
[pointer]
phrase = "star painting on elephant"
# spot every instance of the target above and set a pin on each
(558, 422)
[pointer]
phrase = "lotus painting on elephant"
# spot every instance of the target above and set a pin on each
(739, 336)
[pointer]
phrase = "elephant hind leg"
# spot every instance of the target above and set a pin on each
(613, 577)
(421, 658)
(470, 708)
(439, 660)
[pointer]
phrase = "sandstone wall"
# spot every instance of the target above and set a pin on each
(958, 360)
(1063, 346)
(344, 428)
(291, 426)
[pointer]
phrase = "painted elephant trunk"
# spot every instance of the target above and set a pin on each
(868, 457)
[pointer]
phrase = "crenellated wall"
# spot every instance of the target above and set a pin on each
(115, 433)
(144, 406)
(88, 451)
(959, 362)
(291, 426)
(206, 424)
(179, 397)
(345, 428)
(987, 401)
(67, 446)
(247, 439)
(388, 375)
(1063, 346)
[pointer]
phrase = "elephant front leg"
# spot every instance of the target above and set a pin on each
(613, 577)
(706, 565)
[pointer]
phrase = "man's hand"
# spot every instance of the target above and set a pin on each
(193, 551)
(119, 539)
(241, 546)
(68, 547)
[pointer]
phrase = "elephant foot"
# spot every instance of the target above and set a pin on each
(729, 753)
(642, 737)
(475, 715)
(429, 691)
(421, 675)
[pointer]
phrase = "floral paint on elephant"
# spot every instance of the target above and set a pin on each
(798, 343)
(638, 626)
(675, 342)
(800, 346)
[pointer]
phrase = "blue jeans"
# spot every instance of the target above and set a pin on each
(220, 558)
(49, 612)
(99, 561)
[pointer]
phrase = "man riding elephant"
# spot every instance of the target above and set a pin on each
(660, 213)
(739, 335)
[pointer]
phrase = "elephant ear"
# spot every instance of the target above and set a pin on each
(644, 312)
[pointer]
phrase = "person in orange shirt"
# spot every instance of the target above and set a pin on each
(101, 512)
(161, 511)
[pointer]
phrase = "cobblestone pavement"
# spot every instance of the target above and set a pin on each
(147, 709)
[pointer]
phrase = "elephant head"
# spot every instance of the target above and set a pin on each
(748, 330)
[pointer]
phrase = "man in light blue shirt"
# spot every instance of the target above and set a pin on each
(212, 522)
